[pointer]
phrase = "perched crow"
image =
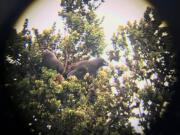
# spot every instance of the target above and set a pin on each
(50, 61)
(79, 72)
(79, 69)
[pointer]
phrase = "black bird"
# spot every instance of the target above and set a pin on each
(50, 61)
(79, 69)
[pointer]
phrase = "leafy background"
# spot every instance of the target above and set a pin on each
(138, 83)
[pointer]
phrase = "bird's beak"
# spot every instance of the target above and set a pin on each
(106, 63)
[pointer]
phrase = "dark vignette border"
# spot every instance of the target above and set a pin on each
(10, 120)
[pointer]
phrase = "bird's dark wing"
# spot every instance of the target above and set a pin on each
(78, 72)
(50, 61)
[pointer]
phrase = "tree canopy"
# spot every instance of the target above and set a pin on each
(136, 84)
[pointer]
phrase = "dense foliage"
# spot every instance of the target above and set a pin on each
(136, 84)
(146, 60)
